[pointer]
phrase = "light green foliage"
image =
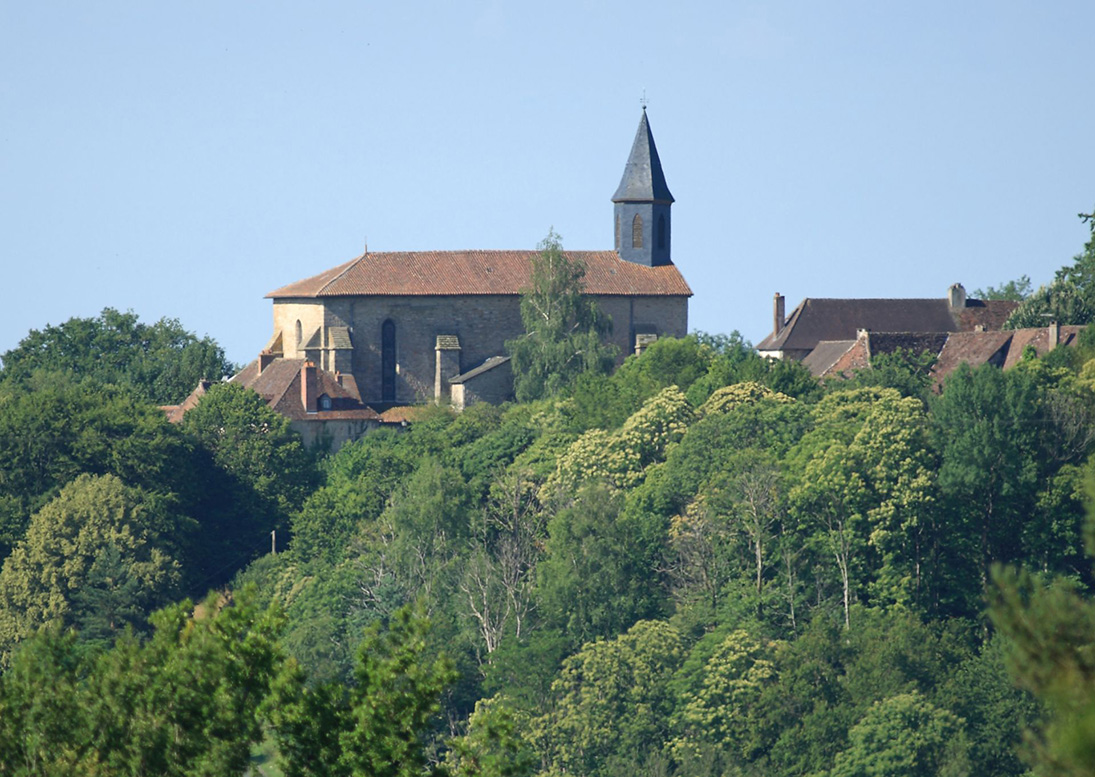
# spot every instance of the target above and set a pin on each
(730, 398)
(621, 458)
(492, 747)
(563, 327)
(92, 522)
(160, 363)
(867, 486)
(721, 707)
(611, 700)
(893, 452)
(905, 736)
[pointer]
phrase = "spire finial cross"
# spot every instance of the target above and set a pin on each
(643, 101)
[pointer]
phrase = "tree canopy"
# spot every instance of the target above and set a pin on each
(160, 362)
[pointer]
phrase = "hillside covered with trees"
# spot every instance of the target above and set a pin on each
(703, 563)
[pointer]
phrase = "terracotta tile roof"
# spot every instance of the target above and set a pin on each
(973, 348)
(419, 273)
(279, 385)
(1038, 339)
(175, 413)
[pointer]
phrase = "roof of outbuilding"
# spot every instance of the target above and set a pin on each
(489, 364)
(643, 179)
(451, 273)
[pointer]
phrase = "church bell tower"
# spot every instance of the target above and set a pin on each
(642, 204)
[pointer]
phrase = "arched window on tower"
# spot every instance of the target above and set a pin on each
(637, 232)
(661, 232)
(387, 361)
(617, 231)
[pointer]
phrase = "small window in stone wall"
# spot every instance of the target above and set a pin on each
(617, 232)
(661, 232)
(300, 332)
(637, 232)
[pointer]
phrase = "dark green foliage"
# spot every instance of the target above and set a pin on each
(598, 575)
(563, 328)
(260, 474)
(55, 433)
(989, 426)
(183, 703)
(160, 362)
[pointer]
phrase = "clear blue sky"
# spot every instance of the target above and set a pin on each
(182, 159)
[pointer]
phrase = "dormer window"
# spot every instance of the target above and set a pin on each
(637, 232)
(325, 402)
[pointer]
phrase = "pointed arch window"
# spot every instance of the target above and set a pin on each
(637, 231)
(387, 361)
(661, 232)
(300, 332)
(617, 231)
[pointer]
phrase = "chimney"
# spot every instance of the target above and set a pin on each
(956, 296)
(1054, 335)
(265, 359)
(777, 313)
(338, 377)
(308, 386)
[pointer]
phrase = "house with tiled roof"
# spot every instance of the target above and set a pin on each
(405, 327)
(1000, 348)
(827, 324)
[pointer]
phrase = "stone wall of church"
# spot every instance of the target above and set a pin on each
(482, 323)
(297, 315)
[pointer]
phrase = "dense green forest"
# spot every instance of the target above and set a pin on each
(703, 563)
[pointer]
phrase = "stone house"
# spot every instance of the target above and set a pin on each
(819, 330)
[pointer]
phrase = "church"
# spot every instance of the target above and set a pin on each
(399, 328)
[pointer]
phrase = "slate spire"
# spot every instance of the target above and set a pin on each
(642, 203)
(643, 179)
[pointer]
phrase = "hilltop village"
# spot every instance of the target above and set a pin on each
(499, 514)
